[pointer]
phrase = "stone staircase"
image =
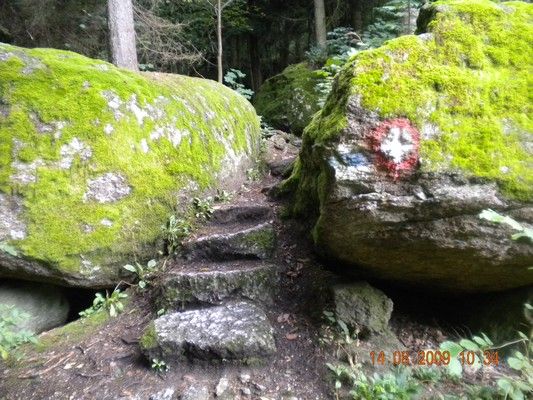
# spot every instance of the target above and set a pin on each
(215, 291)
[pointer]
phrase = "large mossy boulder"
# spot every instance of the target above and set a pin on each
(94, 159)
(416, 139)
(287, 101)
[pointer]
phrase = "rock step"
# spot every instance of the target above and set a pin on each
(220, 243)
(242, 212)
(237, 332)
(209, 282)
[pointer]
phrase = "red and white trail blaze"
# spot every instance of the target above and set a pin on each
(395, 143)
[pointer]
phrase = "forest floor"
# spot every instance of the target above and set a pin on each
(99, 358)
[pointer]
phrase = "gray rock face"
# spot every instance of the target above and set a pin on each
(363, 307)
(165, 394)
(282, 150)
(196, 392)
(424, 231)
(399, 163)
(202, 282)
(256, 241)
(235, 332)
(45, 305)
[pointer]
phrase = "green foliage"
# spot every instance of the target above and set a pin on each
(222, 196)
(112, 303)
(203, 208)
(340, 328)
(159, 365)
(7, 248)
(518, 386)
(143, 273)
(11, 336)
(523, 233)
(397, 385)
(174, 231)
(340, 41)
(393, 19)
(233, 78)
(393, 386)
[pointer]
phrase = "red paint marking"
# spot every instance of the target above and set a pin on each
(383, 161)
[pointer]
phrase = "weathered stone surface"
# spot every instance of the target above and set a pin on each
(45, 305)
(281, 152)
(415, 141)
(216, 243)
(206, 282)
(363, 307)
(244, 212)
(196, 391)
(288, 100)
(233, 332)
(165, 394)
(94, 159)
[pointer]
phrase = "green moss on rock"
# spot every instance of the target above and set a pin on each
(288, 100)
(148, 340)
(68, 122)
(465, 84)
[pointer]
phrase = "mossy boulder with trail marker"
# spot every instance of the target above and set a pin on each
(94, 159)
(415, 140)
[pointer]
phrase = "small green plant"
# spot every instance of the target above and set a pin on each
(340, 327)
(174, 231)
(523, 233)
(7, 248)
(11, 336)
(253, 174)
(203, 208)
(144, 273)
(518, 386)
(222, 196)
(233, 78)
(399, 385)
(111, 302)
(159, 365)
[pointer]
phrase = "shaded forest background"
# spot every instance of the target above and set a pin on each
(261, 37)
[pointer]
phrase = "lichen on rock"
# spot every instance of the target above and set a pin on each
(83, 142)
(415, 139)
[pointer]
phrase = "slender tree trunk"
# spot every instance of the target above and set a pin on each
(122, 34)
(255, 62)
(320, 23)
(256, 75)
(219, 38)
(357, 15)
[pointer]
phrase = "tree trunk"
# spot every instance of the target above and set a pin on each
(357, 15)
(255, 62)
(219, 38)
(122, 34)
(320, 23)
(256, 76)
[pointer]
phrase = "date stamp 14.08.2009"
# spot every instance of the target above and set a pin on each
(432, 357)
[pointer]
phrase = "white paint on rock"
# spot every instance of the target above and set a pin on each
(398, 144)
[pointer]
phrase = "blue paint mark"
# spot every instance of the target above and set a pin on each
(355, 159)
